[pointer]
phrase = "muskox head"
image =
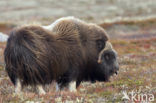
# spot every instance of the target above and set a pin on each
(108, 62)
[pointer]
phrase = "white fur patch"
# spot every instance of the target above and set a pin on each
(18, 86)
(72, 86)
(51, 26)
(3, 37)
(47, 27)
(40, 90)
(57, 87)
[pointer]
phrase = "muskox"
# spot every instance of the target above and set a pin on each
(69, 51)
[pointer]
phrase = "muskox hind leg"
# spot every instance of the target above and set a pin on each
(40, 90)
(18, 86)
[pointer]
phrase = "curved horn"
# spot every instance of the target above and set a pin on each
(107, 47)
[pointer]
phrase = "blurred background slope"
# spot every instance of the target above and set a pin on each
(98, 10)
(103, 12)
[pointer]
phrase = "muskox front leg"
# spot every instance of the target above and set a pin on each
(72, 86)
(58, 88)
(68, 80)
(18, 86)
(40, 90)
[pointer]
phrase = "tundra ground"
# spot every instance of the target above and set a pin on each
(137, 59)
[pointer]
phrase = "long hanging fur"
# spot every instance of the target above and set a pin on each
(36, 56)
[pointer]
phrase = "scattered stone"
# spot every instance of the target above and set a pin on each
(3, 37)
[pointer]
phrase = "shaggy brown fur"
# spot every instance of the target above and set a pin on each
(36, 56)
(92, 36)
(69, 52)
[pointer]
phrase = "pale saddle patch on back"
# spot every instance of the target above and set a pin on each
(51, 26)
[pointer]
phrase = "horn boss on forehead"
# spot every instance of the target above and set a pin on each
(108, 46)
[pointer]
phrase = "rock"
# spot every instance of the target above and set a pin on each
(3, 37)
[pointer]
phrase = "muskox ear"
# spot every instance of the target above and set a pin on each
(100, 44)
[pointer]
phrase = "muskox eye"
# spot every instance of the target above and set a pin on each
(100, 44)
